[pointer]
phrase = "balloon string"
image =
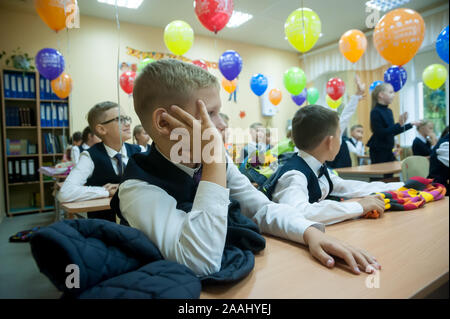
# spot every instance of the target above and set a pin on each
(117, 77)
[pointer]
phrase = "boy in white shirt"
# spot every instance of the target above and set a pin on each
(99, 170)
(190, 226)
(304, 182)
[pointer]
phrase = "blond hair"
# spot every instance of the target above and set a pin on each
(96, 114)
(167, 82)
(376, 91)
(423, 123)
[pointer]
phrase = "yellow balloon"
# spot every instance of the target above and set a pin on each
(302, 28)
(332, 103)
(434, 76)
(178, 37)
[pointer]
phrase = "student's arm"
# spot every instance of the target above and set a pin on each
(75, 154)
(442, 153)
(195, 239)
(348, 112)
(377, 121)
(73, 189)
(352, 188)
(292, 190)
(275, 219)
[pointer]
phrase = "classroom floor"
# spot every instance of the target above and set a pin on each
(19, 275)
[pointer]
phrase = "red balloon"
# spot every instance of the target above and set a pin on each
(335, 88)
(201, 64)
(214, 14)
(127, 81)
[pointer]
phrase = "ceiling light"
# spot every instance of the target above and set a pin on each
(130, 4)
(238, 18)
(385, 5)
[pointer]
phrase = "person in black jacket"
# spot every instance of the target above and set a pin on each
(382, 124)
(425, 140)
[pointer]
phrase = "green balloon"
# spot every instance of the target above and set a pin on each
(294, 80)
(143, 63)
(313, 95)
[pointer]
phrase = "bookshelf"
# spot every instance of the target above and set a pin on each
(35, 130)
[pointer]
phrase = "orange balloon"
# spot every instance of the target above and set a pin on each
(352, 45)
(52, 12)
(229, 86)
(399, 35)
(275, 96)
(62, 85)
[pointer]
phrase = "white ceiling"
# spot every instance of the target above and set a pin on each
(266, 28)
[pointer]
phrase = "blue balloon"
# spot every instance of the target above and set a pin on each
(258, 84)
(300, 98)
(442, 45)
(396, 76)
(230, 64)
(374, 85)
(49, 63)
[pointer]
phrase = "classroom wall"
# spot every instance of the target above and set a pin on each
(91, 56)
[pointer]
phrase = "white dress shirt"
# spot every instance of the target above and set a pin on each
(292, 189)
(358, 149)
(442, 153)
(144, 148)
(73, 188)
(197, 239)
(75, 153)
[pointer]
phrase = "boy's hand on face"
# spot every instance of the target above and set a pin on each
(371, 203)
(111, 188)
(321, 246)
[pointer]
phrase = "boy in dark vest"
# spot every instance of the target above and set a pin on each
(305, 183)
(100, 168)
(439, 163)
(183, 204)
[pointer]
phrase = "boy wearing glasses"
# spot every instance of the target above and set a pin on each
(100, 168)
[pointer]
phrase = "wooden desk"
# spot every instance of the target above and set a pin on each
(411, 246)
(87, 206)
(370, 172)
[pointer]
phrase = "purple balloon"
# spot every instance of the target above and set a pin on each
(230, 64)
(396, 76)
(50, 63)
(301, 98)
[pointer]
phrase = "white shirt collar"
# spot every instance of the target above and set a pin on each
(312, 162)
(112, 153)
(354, 140)
(187, 170)
(420, 136)
(85, 146)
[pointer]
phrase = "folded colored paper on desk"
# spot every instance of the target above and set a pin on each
(414, 194)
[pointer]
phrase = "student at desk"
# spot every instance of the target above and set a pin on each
(184, 207)
(87, 140)
(99, 171)
(304, 181)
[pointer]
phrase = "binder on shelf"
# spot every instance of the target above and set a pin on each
(32, 148)
(43, 110)
(13, 85)
(60, 115)
(7, 86)
(48, 115)
(19, 80)
(42, 88)
(48, 90)
(32, 85)
(31, 170)
(23, 147)
(26, 86)
(66, 118)
(23, 170)
(10, 172)
(54, 115)
(16, 171)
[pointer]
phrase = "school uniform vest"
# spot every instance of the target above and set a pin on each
(103, 170)
(438, 171)
(343, 158)
(81, 148)
(351, 141)
(297, 163)
(420, 148)
(243, 237)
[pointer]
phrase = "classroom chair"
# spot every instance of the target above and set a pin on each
(415, 166)
(354, 159)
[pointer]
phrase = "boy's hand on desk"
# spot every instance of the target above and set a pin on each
(371, 203)
(321, 246)
(111, 188)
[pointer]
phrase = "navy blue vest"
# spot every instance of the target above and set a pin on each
(81, 148)
(420, 148)
(243, 237)
(343, 158)
(103, 170)
(438, 171)
(299, 164)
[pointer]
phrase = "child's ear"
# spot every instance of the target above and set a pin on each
(161, 125)
(329, 142)
(100, 129)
